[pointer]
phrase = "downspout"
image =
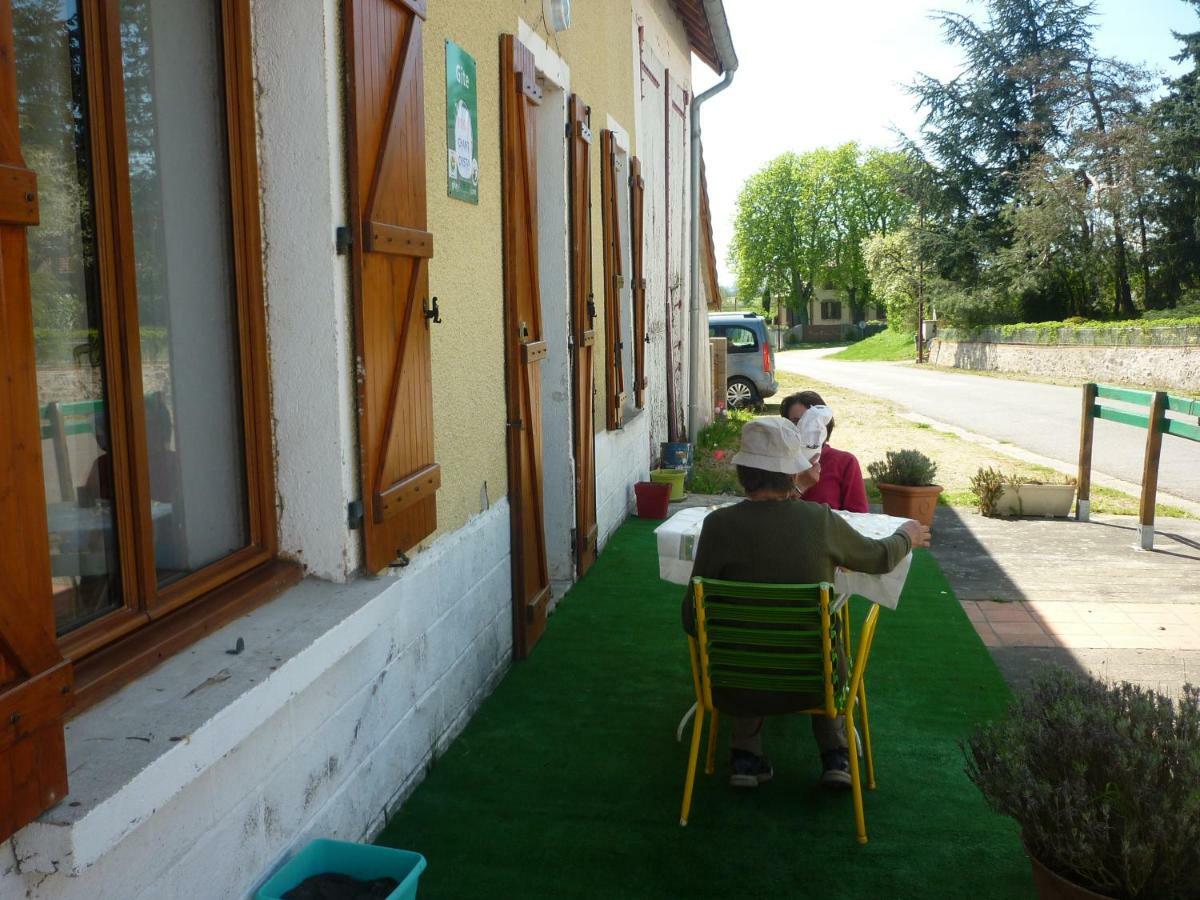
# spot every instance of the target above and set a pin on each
(698, 405)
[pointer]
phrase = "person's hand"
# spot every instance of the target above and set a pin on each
(802, 481)
(917, 533)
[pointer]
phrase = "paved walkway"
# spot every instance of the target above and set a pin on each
(1042, 418)
(1056, 591)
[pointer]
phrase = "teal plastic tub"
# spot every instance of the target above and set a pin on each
(362, 861)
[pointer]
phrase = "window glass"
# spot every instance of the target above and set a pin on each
(72, 389)
(178, 176)
(740, 340)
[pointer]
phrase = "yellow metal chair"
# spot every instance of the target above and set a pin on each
(779, 638)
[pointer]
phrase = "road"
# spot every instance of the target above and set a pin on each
(1040, 418)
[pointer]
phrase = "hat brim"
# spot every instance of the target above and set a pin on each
(771, 463)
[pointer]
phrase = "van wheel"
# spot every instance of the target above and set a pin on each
(740, 393)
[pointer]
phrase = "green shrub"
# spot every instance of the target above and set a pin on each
(904, 467)
(1104, 781)
(987, 485)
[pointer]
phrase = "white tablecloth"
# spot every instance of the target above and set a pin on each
(679, 536)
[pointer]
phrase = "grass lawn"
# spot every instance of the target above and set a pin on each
(567, 782)
(888, 346)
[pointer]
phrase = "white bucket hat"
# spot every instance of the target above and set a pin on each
(773, 444)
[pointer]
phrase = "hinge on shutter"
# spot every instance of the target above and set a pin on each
(354, 514)
(343, 239)
(574, 549)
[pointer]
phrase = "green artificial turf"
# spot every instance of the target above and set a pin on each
(567, 783)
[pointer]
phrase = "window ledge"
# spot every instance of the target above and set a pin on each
(130, 754)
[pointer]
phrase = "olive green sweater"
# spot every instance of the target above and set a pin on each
(782, 542)
(786, 542)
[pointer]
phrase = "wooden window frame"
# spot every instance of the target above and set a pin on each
(829, 308)
(152, 622)
(614, 282)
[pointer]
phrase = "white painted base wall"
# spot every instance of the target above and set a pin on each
(622, 459)
(320, 734)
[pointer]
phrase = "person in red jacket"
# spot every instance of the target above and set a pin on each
(841, 484)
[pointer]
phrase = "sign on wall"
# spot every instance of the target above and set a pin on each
(462, 125)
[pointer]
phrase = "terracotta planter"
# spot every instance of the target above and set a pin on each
(910, 502)
(1052, 886)
(1047, 500)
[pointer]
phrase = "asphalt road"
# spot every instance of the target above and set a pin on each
(1041, 418)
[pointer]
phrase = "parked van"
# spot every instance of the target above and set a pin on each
(750, 366)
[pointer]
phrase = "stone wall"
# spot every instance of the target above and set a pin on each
(1175, 367)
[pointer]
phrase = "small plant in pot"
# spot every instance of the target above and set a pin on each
(1104, 781)
(905, 481)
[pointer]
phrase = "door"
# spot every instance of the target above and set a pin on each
(524, 345)
(390, 249)
(35, 682)
(583, 333)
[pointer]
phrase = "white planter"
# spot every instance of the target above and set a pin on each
(1047, 500)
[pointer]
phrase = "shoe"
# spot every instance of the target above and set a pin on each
(749, 769)
(837, 768)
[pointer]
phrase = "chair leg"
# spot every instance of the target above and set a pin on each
(866, 721)
(860, 821)
(693, 756)
(709, 764)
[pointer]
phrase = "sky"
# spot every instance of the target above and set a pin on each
(814, 73)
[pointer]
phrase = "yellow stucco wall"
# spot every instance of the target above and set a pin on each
(466, 272)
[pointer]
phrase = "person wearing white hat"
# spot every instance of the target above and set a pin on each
(774, 538)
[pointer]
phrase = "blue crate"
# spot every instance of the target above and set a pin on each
(363, 861)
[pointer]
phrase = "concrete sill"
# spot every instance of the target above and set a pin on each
(130, 754)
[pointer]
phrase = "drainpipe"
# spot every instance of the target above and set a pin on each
(697, 404)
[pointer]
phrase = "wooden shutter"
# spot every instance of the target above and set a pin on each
(35, 681)
(614, 375)
(583, 337)
(390, 250)
(637, 192)
(524, 344)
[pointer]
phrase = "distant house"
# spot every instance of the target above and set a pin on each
(829, 315)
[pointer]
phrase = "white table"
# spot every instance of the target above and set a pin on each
(679, 536)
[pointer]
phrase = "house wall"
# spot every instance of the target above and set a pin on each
(468, 348)
(322, 733)
(346, 692)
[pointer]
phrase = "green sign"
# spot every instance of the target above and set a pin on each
(462, 125)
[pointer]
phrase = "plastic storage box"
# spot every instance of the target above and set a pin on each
(363, 861)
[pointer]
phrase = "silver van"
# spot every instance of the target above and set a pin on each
(750, 366)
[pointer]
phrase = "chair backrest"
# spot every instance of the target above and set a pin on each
(60, 420)
(768, 637)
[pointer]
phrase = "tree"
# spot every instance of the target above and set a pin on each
(801, 221)
(1176, 121)
(895, 265)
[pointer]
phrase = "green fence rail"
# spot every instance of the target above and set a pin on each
(1156, 420)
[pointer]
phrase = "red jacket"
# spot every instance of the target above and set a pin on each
(841, 484)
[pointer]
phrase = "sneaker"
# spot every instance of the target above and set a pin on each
(749, 769)
(837, 768)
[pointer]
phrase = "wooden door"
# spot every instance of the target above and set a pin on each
(583, 333)
(614, 281)
(637, 194)
(35, 681)
(524, 344)
(390, 250)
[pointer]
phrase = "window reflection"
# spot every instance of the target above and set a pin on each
(178, 175)
(52, 106)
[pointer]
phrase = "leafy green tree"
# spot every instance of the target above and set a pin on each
(802, 219)
(1176, 121)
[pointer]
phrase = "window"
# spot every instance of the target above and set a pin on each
(831, 310)
(146, 303)
(740, 340)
